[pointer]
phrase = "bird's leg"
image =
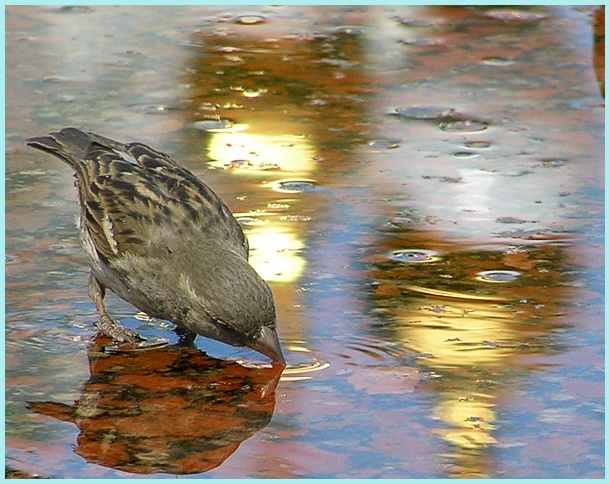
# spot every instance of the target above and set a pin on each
(106, 325)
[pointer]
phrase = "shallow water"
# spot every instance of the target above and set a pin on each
(421, 186)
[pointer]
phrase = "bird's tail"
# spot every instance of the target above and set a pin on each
(69, 145)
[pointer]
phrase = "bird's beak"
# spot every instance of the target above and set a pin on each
(268, 344)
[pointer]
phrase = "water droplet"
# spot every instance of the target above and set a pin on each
(414, 255)
(498, 276)
(296, 186)
(251, 93)
(497, 61)
(424, 42)
(213, 124)
(56, 79)
(511, 220)
(424, 113)
(514, 15)
(399, 224)
(419, 22)
(465, 154)
(478, 145)
(349, 30)
(250, 20)
(553, 163)
(75, 9)
(451, 125)
(381, 144)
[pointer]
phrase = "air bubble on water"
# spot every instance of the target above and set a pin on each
(250, 20)
(498, 276)
(510, 15)
(553, 162)
(465, 154)
(461, 126)
(295, 186)
(478, 145)
(213, 124)
(414, 256)
(430, 113)
(497, 61)
(381, 144)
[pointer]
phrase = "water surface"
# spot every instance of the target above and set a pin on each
(421, 186)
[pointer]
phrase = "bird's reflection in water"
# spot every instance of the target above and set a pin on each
(167, 409)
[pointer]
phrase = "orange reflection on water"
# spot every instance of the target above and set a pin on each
(470, 340)
(165, 409)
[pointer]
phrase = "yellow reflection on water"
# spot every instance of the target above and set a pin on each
(463, 339)
(256, 152)
(275, 252)
(275, 246)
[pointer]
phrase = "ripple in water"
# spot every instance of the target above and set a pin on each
(450, 125)
(250, 20)
(414, 256)
(498, 276)
(497, 61)
(381, 144)
(429, 113)
(213, 124)
(465, 154)
(302, 370)
(295, 186)
(478, 145)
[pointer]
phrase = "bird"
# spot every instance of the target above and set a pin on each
(161, 239)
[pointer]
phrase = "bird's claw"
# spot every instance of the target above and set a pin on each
(117, 332)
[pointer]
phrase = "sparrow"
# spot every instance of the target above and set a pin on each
(161, 239)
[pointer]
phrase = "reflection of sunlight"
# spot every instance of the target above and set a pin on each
(474, 193)
(471, 420)
(462, 340)
(458, 333)
(274, 246)
(275, 253)
(254, 153)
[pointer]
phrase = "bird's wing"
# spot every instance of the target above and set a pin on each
(131, 194)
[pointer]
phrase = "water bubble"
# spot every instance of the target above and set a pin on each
(56, 79)
(213, 124)
(250, 20)
(296, 186)
(419, 22)
(424, 42)
(381, 144)
(459, 126)
(497, 61)
(75, 9)
(465, 154)
(414, 255)
(498, 276)
(424, 112)
(511, 220)
(553, 162)
(514, 15)
(398, 224)
(251, 93)
(478, 145)
(349, 30)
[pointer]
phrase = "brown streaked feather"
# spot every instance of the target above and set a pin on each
(128, 190)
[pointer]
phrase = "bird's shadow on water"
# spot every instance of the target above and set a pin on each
(165, 408)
